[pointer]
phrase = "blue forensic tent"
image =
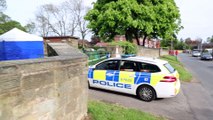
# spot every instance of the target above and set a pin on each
(16, 44)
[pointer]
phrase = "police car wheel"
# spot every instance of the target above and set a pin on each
(146, 93)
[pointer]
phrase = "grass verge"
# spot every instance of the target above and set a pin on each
(184, 74)
(105, 111)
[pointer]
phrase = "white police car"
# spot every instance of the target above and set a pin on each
(148, 78)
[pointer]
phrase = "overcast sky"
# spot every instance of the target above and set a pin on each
(196, 15)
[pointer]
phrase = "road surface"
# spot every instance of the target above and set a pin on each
(202, 70)
(199, 93)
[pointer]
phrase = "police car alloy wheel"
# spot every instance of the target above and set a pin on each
(146, 93)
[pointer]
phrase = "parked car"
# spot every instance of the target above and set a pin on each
(186, 51)
(148, 78)
(209, 50)
(196, 53)
(206, 56)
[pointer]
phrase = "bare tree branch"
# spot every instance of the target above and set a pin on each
(64, 19)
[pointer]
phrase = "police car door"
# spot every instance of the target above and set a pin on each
(105, 75)
(131, 76)
(128, 74)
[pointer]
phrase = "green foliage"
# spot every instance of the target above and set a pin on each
(181, 46)
(105, 111)
(7, 24)
(184, 74)
(3, 5)
(30, 27)
(134, 18)
(10, 25)
(177, 45)
(128, 48)
(210, 39)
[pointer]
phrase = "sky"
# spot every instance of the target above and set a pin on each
(196, 15)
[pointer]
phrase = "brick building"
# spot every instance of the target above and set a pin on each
(149, 43)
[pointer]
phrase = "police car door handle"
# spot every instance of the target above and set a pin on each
(132, 76)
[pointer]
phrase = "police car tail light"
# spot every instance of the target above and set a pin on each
(169, 79)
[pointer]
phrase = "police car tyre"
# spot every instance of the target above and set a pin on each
(146, 93)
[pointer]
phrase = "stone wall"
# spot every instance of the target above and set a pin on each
(54, 88)
(151, 52)
(164, 52)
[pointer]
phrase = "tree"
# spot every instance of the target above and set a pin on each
(181, 45)
(210, 39)
(3, 5)
(63, 19)
(53, 20)
(188, 40)
(78, 10)
(177, 44)
(94, 40)
(6, 23)
(30, 27)
(134, 18)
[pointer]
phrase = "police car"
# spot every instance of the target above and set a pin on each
(148, 78)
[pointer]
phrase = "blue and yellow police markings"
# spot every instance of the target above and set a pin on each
(112, 75)
(90, 73)
(127, 77)
(110, 78)
(142, 77)
(99, 74)
(120, 79)
(155, 78)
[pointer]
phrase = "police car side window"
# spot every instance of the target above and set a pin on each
(150, 68)
(108, 65)
(129, 66)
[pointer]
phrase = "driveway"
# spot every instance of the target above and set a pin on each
(192, 103)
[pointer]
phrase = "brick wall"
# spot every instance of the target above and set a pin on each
(53, 88)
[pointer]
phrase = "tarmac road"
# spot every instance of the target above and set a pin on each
(194, 102)
(202, 70)
(199, 92)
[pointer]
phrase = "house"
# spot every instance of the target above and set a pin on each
(149, 43)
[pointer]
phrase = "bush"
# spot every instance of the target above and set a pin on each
(128, 48)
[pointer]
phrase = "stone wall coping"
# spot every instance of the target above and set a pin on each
(44, 60)
(62, 49)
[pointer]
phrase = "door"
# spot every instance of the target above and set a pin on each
(105, 74)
